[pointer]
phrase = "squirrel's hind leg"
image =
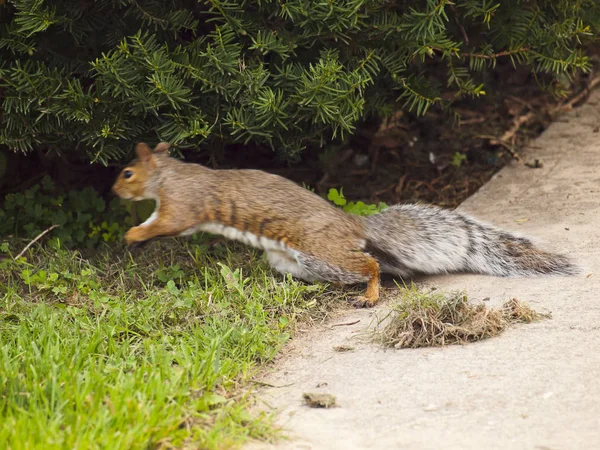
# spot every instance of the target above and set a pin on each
(371, 296)
(285, 263)
(347, 268)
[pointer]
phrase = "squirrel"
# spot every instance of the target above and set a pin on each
(306, 236)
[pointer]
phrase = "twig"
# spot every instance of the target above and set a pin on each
(37, 238)
(495, 141)
(569, 105)
(374, 158)
(484, 56)
(418, 184)
(400, 184)
(474, 120)
(389, 188)
(460, 27)
(262, 383)
(516, 125)
(345, 324)
(510, 134)
(496, 55)
(320, 184)
(520, 101)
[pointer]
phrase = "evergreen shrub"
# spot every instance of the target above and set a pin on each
(90, 77)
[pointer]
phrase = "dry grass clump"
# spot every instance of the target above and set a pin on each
(433, 319)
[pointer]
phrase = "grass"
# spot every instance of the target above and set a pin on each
(156, 349)
(148, 351)
(434, 318)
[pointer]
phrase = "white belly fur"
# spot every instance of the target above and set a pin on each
(280, 256)
(285, 262)
(245, 237)
(153, 216)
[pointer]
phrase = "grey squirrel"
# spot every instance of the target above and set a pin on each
(306, 236)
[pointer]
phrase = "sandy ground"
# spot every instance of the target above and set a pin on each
(537, 386)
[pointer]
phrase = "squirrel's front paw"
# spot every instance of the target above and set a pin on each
(133, 236)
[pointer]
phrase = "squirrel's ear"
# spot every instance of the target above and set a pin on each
(144, 153)
(162, 147)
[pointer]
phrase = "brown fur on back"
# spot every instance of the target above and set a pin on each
(249, 200)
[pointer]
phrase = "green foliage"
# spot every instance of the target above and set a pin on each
(124, 353)
(359, 208)
(61, 283)
(84, 219)
(457, 159)
(170, 274)
(95, 75)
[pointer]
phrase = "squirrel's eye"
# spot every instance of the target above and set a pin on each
(127, 174)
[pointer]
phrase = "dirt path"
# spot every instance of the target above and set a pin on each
(535, 387)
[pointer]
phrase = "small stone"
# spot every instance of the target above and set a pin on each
(431, 407)
(319, 400)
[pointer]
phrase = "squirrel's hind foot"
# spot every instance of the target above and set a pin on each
(361, 301)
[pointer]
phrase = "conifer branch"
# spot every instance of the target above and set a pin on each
(93, 76)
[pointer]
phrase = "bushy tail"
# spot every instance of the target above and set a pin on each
(408, 239)
(505, 254)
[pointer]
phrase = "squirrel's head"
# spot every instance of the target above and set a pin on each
(133, 181)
